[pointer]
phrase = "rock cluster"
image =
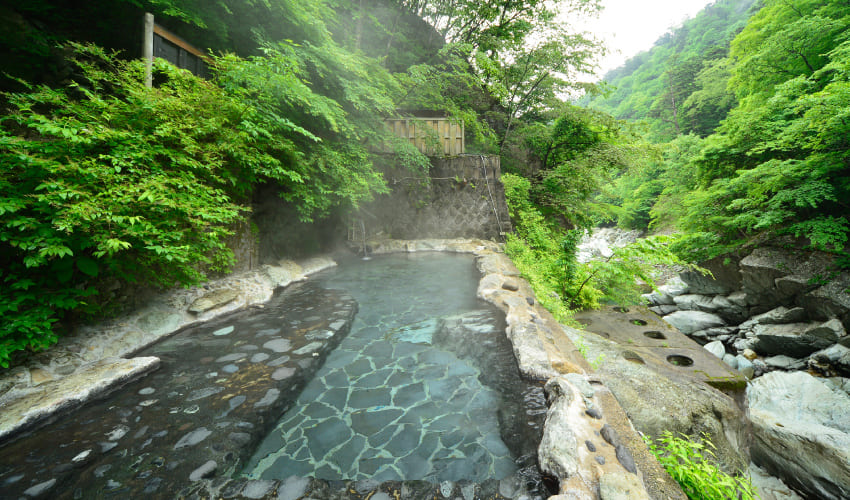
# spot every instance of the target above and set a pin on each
(776, 314)
(580, 446)
(773, 310)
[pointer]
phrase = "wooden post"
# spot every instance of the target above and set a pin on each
(147, 49)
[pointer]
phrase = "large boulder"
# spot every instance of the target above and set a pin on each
(724, 277)
(695, 302)
(730, 311)
(830, 300)
(797, 339)
(658, 398)
(761, 269)
(691, 321)
(673, 287)
(801, 433)
(776, 316)
(659, 298)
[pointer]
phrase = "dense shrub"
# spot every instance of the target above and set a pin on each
(105, 179)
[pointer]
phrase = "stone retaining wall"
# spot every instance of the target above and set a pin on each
(465, 199)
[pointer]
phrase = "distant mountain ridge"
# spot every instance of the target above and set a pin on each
(657, 84)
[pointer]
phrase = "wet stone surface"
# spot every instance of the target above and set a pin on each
(220, 388)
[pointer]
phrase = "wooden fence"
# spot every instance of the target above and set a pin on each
(432, 136)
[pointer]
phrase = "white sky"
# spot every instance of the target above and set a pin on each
(631, 26)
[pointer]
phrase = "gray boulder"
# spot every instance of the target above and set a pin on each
(797, 339)
(741, 299)
(558, 449)
(834, 360)
(769, 487)
(783, 362)
(777, 316)
(721, 333)
(717, 348)
(830, 300)
(691, 321)
(801, 433)
(744, 343)
(761, 269)
(664, 309)
(657, 398)
(724, 277)
(658, 299)
(674, 287)
(728, 310)
(694, 302)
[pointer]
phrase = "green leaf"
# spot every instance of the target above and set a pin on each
(87, 266)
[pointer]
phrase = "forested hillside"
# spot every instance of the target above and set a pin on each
(679, 86)
(777, 164)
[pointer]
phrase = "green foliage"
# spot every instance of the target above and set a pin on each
(533, 248)
(777, 164)
(109, 180)
(569, 153)
(693, 465)
(523, 53)
(546, 255)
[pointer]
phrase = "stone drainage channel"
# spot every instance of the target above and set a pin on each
(214, 404)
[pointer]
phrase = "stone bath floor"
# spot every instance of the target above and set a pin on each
(425, 386)
(199, 417)
(391, 410)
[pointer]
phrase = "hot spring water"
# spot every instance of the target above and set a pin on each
(423, 387)
(415, 391)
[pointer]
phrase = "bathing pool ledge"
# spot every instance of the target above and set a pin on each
(98, 359)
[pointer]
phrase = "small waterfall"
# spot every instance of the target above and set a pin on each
(365, 248)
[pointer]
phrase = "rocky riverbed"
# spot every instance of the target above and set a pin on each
(780, 317)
